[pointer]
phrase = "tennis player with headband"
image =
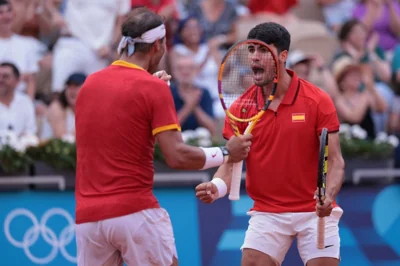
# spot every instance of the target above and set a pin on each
(120, 112)
(282, 166)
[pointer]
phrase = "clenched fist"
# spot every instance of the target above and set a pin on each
(238, 148)
(207, 192)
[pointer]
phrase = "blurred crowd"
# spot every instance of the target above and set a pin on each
(349, 48)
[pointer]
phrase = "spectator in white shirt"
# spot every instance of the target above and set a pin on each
(17, 112)
(24, 52)
(90, 34)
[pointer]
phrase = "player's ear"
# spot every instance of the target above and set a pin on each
(283, 56)
(158, 45)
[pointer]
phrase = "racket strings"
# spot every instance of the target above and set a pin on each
(243, 64)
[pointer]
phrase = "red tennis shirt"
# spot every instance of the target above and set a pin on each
(282, 166)
(119, 110)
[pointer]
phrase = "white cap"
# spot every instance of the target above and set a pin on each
(296, 56)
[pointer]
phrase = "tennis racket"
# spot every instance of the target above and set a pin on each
(321, 184)
(247, 82)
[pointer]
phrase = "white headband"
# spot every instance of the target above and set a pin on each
(149, 36)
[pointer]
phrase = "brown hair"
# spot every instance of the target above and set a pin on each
(138, 21)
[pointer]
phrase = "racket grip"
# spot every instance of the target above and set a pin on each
(234, 193)
(321, 233)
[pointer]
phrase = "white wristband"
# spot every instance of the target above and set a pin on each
(214, 157)
(221, 186)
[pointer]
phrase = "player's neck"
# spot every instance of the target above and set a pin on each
(142, 62)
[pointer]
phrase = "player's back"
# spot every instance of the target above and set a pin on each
(115, 144)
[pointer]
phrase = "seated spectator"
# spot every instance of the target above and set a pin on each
(337, 12)
(39, 19)
(24, 52)
(60, 120)
(355, 106)
(218, 18)
(206, 56)
(34, 18)
(193, 104)
(353, 39)
(304, 65)
(90, 33)
(17, 112)
(383, 17)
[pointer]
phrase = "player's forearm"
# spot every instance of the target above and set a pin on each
(335, 176)
(225, 173)
(189, 157)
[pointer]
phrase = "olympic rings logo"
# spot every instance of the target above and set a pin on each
(40, 228)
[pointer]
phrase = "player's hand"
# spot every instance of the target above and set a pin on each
(163, 75)
(326, 208)
(207, 192)
(238, 148)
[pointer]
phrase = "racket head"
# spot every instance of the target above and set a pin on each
(247, 67)
(322, 165)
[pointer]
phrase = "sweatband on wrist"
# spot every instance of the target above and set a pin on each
(221, 186)
(214, 157)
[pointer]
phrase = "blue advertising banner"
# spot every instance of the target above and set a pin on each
(37, 228)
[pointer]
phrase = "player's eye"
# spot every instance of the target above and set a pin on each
(251, 49)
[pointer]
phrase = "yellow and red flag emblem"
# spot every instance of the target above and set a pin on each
(299, 117)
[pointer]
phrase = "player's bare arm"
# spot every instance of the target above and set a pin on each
(178, 155)
(218, 187)
(335, 176)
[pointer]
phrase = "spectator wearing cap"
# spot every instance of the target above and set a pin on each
(60, 120)
(353, 105)
(313, 69)
(17, 111)
(354, 43)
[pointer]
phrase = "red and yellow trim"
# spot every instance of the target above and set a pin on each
(165, 128)
(126, 64)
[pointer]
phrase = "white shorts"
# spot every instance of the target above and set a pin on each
(273, 234)
(143, 238)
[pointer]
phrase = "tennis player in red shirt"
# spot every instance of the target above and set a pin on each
(282, 168)
(120, 112)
